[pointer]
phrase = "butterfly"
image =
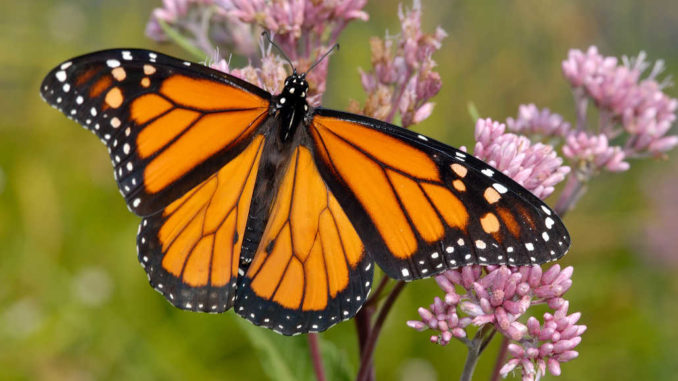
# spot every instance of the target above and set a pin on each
(279, 210)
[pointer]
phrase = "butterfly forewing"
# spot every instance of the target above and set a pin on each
(167, 124)
(422, 207)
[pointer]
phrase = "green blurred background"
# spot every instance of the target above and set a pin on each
(75, 305)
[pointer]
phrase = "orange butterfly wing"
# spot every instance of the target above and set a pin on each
(310, 270)
(191, 250)
(422, 207)
(167, 124)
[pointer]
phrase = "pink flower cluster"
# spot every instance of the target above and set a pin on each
(546, 345)
(533, 121)
(535, 166)
(591, 152)
(304, 30)
(402, 79)
(638, 104)
(500, 296)
(270, 74)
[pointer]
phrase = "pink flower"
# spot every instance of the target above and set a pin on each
(639, 105)
(592, 153)
(532, 120)
(537, 167)
(546, 346)
(270, 75)
(403, 79)
(500, 295)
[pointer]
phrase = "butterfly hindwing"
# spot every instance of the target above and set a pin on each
(311, 269)
(191, 250)
(167, 124)
(421, 206)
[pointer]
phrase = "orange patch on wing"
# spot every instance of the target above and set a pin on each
(375, 195)
(353, 246)
(389, 150)
(163, 130)
(271, 271)
(491, 195)
(181, 246)
(119, 74)
(459, 185)
(189, 209)
(459, 169)
(335, 261)
(114, 97)
(223, 256)
(147, 107)
(309, 200)
(420, 210)
(145, 82)
(525, 214)
(291, 288)
(490, 223)
(149, 69)
(203, 140)
(209, 94)
(86, 76)
(100, 85)
(509, 221)
(315, 295)
(197, 270)
(450, 207)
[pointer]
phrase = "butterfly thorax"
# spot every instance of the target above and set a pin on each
(291, 106)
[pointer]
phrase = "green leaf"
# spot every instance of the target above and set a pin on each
(336, 363)
(283, 358)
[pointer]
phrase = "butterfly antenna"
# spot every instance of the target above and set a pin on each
(319, 60)
(268, 38)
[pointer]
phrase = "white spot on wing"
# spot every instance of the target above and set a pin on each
(126, 55)
(487, 172)
(61, 75)
(549, 222)
(500, 188)
(112, 63)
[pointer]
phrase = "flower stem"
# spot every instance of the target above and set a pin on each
(475, 348)
(314, 348)
(366, 367)
(181, 40)
(501, 357)
(574, 189)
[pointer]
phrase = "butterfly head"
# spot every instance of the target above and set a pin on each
(294, 92)
(291, 104)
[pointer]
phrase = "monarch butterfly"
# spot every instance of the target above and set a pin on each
(262, 203)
